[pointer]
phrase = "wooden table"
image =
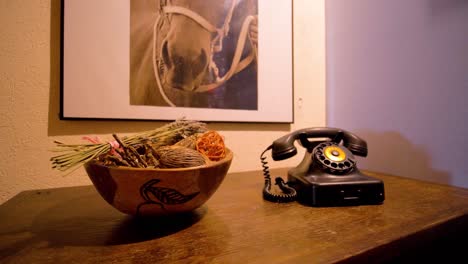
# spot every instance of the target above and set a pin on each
(418, 221)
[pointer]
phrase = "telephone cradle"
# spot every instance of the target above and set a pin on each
(327, 175)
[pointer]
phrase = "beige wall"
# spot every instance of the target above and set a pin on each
(30, 95)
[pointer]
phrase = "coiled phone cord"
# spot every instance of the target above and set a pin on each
(289, 194)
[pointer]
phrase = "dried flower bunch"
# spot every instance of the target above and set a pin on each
(179, 144)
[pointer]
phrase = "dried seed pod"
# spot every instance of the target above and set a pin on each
(188, 142)
(179, 157)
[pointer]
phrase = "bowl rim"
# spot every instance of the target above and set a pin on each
(227, 158)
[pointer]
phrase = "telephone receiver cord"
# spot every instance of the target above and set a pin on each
(289, 194)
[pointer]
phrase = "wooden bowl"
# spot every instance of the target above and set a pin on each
(153, 192)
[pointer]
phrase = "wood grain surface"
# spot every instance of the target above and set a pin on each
(418, 221)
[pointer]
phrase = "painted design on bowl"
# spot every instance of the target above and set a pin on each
(161, 195)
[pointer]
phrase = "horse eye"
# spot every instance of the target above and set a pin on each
(165, 54)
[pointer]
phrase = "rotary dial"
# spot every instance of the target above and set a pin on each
(334, 158)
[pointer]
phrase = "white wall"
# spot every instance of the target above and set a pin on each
(29, 98)
(397, 75)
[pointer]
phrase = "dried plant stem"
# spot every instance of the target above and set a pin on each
(75, 155)
(130, 154)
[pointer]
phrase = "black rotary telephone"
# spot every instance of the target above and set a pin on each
(327, 175)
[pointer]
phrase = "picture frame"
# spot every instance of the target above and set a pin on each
(102, 64)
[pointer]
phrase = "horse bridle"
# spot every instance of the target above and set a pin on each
(238, 64)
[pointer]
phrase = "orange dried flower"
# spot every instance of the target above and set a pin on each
(211, 144)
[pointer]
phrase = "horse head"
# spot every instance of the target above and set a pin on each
(179, 51)
(186, 50)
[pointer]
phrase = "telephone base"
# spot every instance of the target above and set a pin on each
(337, 190)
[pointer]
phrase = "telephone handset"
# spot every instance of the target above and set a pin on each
(327, 175)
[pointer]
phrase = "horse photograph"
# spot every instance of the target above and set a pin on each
(194, 53)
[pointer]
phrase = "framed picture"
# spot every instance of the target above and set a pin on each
(207, 60)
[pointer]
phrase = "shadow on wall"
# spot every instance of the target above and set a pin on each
(390, 152)
(438, 7)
